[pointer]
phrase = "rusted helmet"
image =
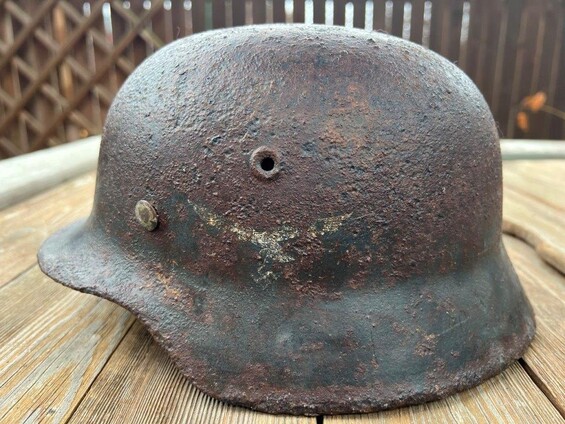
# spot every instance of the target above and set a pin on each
(307, 218)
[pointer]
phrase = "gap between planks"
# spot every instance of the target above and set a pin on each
(23, 227)
(141, 384)
(534, 207)
(55, 341)
(545, 288)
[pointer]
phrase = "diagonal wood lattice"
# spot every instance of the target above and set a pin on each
(62, 61)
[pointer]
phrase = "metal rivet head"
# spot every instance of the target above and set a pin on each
(146, 215)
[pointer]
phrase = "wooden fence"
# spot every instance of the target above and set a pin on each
(62, 61)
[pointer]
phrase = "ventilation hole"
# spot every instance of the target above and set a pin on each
(267, 164)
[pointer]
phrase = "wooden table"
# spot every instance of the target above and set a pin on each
(72, 357)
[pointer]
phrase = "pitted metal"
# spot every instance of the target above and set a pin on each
(329, 210)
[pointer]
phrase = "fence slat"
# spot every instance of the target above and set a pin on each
(97, 100)
(339, 12)
(504, 74)
(238, 12)
(179, 19)
(359, 13)
(279, 14)
(379, 21)
(417, 21)
(556, 84)
(161, 25)
(219, 13)
(541, 66)
(319, 11)
(298, 11)
(259, 12)
(138, 45)
(397, 17)
(452, 31)
(525, 63)
(436, 24)
(490, 50)
(198, 16)
(473, 39)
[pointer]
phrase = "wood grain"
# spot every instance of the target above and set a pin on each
(54, 342)
(532, 149)
(23, 227)
(545, 288)
(27, 175)
(140, 384)
(534, 206)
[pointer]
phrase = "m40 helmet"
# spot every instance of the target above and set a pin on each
(307, 219)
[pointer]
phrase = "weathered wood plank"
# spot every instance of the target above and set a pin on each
(545, 288)
(534, 207)
(140, 384)
(509, 398)
(379, 12)
(27, 175)
(319, 11)
(198, 16)
(23, 227)
(339, 12)
(238, 12)
(298, 11)
(259, 12)
(397, 17)
(52, 348)
(532, 149)
(359, 11)
(417, 21)
(279, 14)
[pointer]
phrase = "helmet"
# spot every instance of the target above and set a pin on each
(307, 218)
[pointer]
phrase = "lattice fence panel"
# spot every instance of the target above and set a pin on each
(62, 61)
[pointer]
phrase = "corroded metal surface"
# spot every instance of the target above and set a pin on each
(329, 234)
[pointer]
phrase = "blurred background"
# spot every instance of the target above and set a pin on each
(62, 61)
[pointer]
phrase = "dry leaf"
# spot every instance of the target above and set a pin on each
(534, 102)
(522, 121)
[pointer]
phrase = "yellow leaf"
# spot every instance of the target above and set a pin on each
(534, 102)
(522, 121)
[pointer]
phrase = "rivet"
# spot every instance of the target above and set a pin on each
(146, 215)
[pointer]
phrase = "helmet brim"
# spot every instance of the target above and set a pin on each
(273, 350)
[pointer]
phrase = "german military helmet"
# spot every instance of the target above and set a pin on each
(306, 218)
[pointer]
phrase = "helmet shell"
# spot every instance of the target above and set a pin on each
(329, 220)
